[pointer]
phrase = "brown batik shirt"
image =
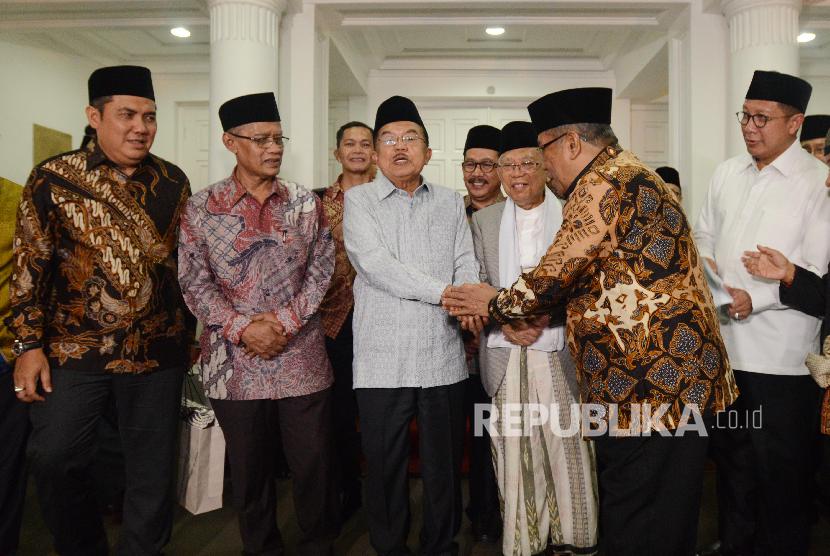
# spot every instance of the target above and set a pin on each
(94, 275)
(641, 323)
(339, 298)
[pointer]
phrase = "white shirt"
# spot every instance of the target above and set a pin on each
(530, 227)
(784, 206)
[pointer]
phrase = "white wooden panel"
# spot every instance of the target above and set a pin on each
(650, 133)
(338, 115)
(193, 142)
(435, 171)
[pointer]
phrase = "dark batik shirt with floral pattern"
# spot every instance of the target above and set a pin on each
(641, 323)
(94, 273)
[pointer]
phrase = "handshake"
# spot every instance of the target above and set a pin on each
(264, 337)
(470, 303)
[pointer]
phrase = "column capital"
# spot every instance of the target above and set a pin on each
(246, 20)
(278, 6)
(761, 22)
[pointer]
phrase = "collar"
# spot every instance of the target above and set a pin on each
(786, 163)
(468, 202)
(606, 154)
(96, 157)
(236, 191)
(385, 187)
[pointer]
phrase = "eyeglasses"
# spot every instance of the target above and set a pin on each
(406, 140)
(760, 120)
(525, 166)
(552, 141)
(264, 142)
(486, 166)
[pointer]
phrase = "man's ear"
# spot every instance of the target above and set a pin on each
(795, 123)
(336, 153)
(428, 157)
(374, 157)
(93, 116)
(229, 143)
(574, 145)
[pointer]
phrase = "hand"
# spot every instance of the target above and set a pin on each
(471, 345)
(30, 367)
(768, 263)
(525, 332)
(263, 338)
(468, 300)
(741, 306)
(474, 325)
(270, 317)
(712, 264)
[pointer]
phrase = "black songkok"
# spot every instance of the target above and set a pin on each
(483, 137)
(258, 107)
(780, 87)
(134, 81)
(588, 105)
(669, 175)
(517, 135)
(814, 127)
(397, 109)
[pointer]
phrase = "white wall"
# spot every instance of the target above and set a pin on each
(820, 100)
(39, 87)
(170, 89)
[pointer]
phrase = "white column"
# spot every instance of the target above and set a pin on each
(306, 121)
(762, 35)
(698, 114)
(244, 39)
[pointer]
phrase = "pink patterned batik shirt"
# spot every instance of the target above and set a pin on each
(237, 258)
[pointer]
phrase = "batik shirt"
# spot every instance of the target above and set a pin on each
(239, 258)
(641, 323)
(339, 299)
(94, 273)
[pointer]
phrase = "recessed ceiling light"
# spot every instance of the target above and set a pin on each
(805, 37)
(494, 31)
(180, 32)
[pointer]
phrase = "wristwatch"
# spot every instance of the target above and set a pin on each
(20, 347)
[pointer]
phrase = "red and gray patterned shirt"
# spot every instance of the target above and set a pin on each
(237, 258)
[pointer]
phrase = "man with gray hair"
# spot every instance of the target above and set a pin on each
(409, 241)
(641, 324)
(256, 257)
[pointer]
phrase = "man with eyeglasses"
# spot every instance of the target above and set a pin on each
(546, 480)
(641, 325)
(409, 241)
(771, 196)
(481, 153)
(256, 257)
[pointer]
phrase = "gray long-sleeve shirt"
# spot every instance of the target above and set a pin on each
(406, 251)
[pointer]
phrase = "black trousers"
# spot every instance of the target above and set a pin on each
(305, 428)
(347, 438)
(650, 489)
(385, 414)
(765, 474)
(62, 448)
(483, 508)
(14, 430)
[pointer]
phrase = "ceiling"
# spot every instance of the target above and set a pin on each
(368, 34)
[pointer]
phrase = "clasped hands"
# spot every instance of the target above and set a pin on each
(264, 337)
